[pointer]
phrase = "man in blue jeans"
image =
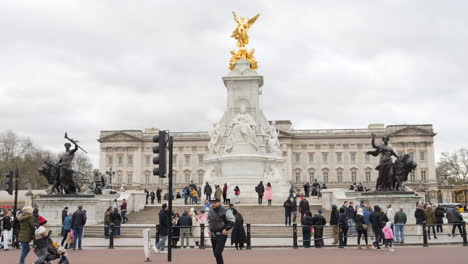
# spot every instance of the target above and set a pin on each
(78, 221)
(400, 221)
(163, 230)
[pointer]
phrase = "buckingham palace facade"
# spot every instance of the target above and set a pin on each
(336, 157)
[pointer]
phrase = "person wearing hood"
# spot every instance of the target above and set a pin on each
(420, 218)
(318, 221)
(26, 221)
(66, 229)
(306, 229)
(430, 221)
(388, 234)
(185, 223)
(439, 218)
(377, 224)
(361, 227)
(334, 222)
(207, 191)
(343, 225)
(260, 190)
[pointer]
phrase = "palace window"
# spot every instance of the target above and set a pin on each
(200, 177)
(325, 177)
(311, 176)
(325, 156)
(311, 157)
(120, 160)
(174, 177)
(200, 159)
(174, 159)
(339, 157)
(412, 176)
(129, 178)
(411, 155)
(130, 160)
(109, 161)
(297, 157)
(147, 178)
(187, 159)
(368, 176)
(366, 157)
(148, 160)
(353, 157)
(422, 155)
(119, 177)
(339, 176)
(298, 176)
(423, 176)
(353, 177)
(187, 177)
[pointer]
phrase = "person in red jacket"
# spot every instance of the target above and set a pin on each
(123, 211)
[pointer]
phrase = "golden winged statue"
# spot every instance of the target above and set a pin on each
(240, 33)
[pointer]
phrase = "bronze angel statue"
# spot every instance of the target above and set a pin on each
(243, 25)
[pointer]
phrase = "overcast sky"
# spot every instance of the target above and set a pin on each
(86, 66)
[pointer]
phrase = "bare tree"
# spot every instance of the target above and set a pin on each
(455, 165)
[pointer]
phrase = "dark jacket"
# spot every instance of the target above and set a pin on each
(319, 221)
(158, 193)
(185, 221)
(457, 217)
(219, 219)
(306, 223)
(349, 212)
(376, 220)
(115, 218)
(294, 206)
(430, 216)
(304, 206)
(420, 216)
(360, 221)
(67, 223)
(163, 223)
(399, 218)
(334, 215)
(288, 206)
(78, 218)
(260, 189)
(207, 190)
(26, 228)
(342, 220)
(7, 223)
(238, 233)
(439, 215)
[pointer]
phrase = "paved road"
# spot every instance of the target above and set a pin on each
(430, 255)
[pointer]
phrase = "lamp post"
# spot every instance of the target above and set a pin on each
(110, 173)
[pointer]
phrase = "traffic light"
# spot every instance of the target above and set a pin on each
(8, 182)
(160, 158)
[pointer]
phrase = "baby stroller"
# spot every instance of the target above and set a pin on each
(55, 252)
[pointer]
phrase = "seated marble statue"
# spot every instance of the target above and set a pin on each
(242, 129)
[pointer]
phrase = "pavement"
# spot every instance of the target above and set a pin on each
(432, 255)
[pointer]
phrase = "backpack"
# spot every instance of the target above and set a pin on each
(256, 188)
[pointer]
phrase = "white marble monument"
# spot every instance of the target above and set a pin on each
(244, 147)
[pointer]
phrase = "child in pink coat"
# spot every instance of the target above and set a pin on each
(269, 194)
(388, 235)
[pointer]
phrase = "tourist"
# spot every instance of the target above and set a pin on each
(16, 228)
(400, 221)
(163, 230)
(220, 222)
(218, 192)
(291, 192)
(194, 195)
(306, 189)
(303, 207)
(439, 218)
(360, 188)
(260, 190)
(236, 194)
(287, 211)
(350, 215)
(343, 225)
(225, 187)
(388, 235)
(41, 236)
(206, 205)
(238, 237)
(457, 220)
(64, 215)
(185, 223)
(175, 230)
(147, 196)
(390, 214)
(115, 205)
(195, 226)
(294, 210)
(334, 223)
(7, 228)
(203, 220)
(430, 221)
(123, 211)
(367, 213)
(318, 221)
(420, 218)
(158, 195)
(186, 191)
(199, 191)
(361, 227)
(35, 214)
(116, 219)
(78, 222)
(66, 229)
(152, 195)
(207, 191)
(315, 188)
(377, 224)
(26, 230)
(307, 227)
(269, 193)
(107, 221)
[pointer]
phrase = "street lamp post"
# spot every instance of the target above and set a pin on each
(110, 173)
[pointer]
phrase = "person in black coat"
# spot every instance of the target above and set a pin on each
(175, 230)
(420, 218)
(238, 237)
(260, 189)
(439, 217)
(318, 221)
(306, 189)
(208, 191)
(158, 195)
(377, 225)
(116, 219)
(334, 222)
(361, 227)
(306, 229)
(147, 196)
(304, 207)
(288, 207)
(163, 229)
(152, 195)
(343, 226)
